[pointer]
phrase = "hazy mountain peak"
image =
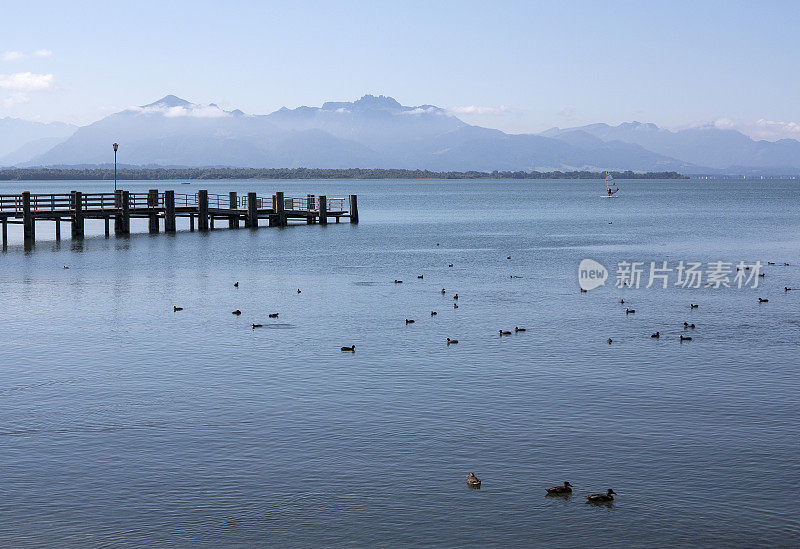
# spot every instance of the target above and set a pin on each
(169, 101)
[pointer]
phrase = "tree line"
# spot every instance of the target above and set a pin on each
(156, 174)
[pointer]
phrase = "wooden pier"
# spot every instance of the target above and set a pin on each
(203, 208)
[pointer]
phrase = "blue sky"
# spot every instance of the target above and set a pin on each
(517, 66)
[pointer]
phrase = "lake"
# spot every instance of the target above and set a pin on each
(125, 423)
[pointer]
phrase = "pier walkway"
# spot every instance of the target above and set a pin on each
(162, 209)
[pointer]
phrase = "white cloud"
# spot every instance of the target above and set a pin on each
(13, 56)
(15, 99)
(724, 124)
(195, 111)
(479, 109)
(762, 129)
(42, 53)
(26, 81)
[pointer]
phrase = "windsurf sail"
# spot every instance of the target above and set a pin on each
(611, 185)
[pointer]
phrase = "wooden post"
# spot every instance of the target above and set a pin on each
(118, 225)
(106, 222)
(202, 210)
(169, 211)
(5, 231)
(152, 204)
(311, 203)
(191, 222)
(211, 222)
(28, 225)
(76, 197)
(323, 210)
(58, 228)
(126, 212)
(233, 220)
(251, 220)
(280, 206)
(353, 208)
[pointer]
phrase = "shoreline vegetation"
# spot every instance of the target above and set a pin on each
(162, 174)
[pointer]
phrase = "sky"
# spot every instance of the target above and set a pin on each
(512, 65)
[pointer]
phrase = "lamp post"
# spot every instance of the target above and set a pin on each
(116, 146)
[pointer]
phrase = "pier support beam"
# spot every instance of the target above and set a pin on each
(108, 232)
(280, 209)
(152, 202)
(28, 225)
(353, 200)
(191, 223)
(5, 231)
(169, 211)
(126, 212)
(233, 221)
(58, 228)
(251, 220)
(77, 214)
(202, 210)
(118, 225)
(323, 210)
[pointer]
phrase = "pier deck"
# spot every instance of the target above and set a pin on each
(163, 208)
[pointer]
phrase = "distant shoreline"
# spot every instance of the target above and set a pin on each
(164, 174)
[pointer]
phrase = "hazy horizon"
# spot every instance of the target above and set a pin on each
(518, 67)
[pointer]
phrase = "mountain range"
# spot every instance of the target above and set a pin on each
(379, 132)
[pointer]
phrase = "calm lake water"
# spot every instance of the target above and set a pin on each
(123, 423)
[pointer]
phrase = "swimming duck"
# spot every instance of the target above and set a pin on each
(685, 338)
(298, 290)
(762, 275)
(687, 325)
(450, 265)
(237, 312)
(630, 311)
(504, 333)
(175, 309)
(66, 267)
(609, 341)
(517, 329)
(787, 289)
(762, 300)
(455, 305)
(409, 321)
(622, 301)
(583, 291)
(451, 341)
(473, 481)
(770, 263)
(601, 498)
(235, 284)
(693, 306)
(656, 335)
(566, 488)
(257, 326)
(442, 291)
(351, 349)
(434, 313)
(509, 257)
(273, 315)
(420, 276)
(785, 264)
(455, 296)
(398, 281)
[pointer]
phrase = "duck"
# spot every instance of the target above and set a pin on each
(455, 305)
(762, 300)
(787, 289)
(762, 275)
(442, 291)
(685, 338)
(434, 313)
(566, 488)
(176, 309)
(630, 311)
(298, 290)
(455, 296)
(686, 325)
(504, 333)
(509, 257)
(450, 265)
(257, 326)
(609, 341)
(273, 315)
(656, 335)
(350, 349)
(451, 341)
(583, 291)
(66, 267)
(693, 306)
(601, 498)
(473, 481)
(409, 321)
(517, 329)
(420, 277)
(237, 312)
(398, 281)
(770, 263)
(622, 301)
(235, 284)
(785, 264)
